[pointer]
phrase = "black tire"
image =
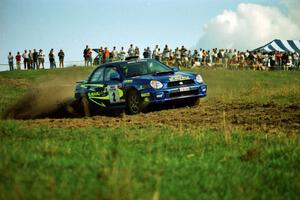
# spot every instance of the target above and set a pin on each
(133, 102)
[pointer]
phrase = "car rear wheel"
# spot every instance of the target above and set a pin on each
(134, 102)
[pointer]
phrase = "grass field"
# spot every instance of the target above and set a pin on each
(151, 160)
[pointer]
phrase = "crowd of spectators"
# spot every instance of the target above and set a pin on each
(181, 56)
(33, 59)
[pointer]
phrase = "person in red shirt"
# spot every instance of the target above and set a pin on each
(89, 57)
(106, 55)
(18, 60)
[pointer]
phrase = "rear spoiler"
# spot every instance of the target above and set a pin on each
(131, 58)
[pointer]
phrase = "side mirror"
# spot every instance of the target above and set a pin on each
(175, 69)
(115, 77)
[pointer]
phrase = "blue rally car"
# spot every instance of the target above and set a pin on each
(135, 84)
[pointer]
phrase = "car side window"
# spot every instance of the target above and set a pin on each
(108, 72)
(97, 75)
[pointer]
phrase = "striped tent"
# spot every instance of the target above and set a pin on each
(281, 45)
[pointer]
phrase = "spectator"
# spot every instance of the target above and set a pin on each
(159, 55)
(100, 55)
(41, 58)
(106, 55)
(30, 59)
(220, 57)
(131, 51)
(61, 57)
(208, 58)
(52, 59)
(10, 58)
(35, 59)
(122, 54)
(278, 57)
(226, 59)
(296, 60)
(149, 52)
(89, 58)
(177, 57)
(183, 55)
(166, 53)
(145, 53)
(84, 55)
(155, 54)
(114, 54)
(200, 56)
(196, 58)
(137, 52)
(18, 60)
(25, 56)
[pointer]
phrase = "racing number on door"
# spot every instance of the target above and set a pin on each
(113, 94)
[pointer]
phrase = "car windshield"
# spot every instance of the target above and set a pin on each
(138, 68)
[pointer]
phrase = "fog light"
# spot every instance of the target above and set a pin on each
(146, 99)
(159, 95)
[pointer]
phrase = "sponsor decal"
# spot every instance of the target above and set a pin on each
(178, 78)
(128, 81)
(91, 85)
(145, 94)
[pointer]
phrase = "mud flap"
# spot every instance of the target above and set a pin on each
(85, 106)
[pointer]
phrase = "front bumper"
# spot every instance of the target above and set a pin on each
(174, 94)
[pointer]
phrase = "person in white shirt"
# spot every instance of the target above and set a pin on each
(41, 58)
(166, 53)
(177, 56)
(114, 54)
(155, 54)
(137, 52)
(200, 56)
(122, 54)
(25, 57)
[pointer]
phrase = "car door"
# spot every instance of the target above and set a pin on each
(113, 85)
(95, 87)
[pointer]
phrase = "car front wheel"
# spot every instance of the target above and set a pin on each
(134, 102)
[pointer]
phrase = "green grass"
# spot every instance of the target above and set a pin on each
(151, 162)
(253, 86)
(132, 163)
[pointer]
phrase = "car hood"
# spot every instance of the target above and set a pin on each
(176, 76)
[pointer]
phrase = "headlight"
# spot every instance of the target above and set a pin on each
(156, 84)
(199, 79)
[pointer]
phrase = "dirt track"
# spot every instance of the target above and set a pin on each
(50, 106)
(271, 118)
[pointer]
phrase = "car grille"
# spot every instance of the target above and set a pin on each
(180, 83)
(186, 93)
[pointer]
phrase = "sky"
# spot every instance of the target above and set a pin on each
(72, 24)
